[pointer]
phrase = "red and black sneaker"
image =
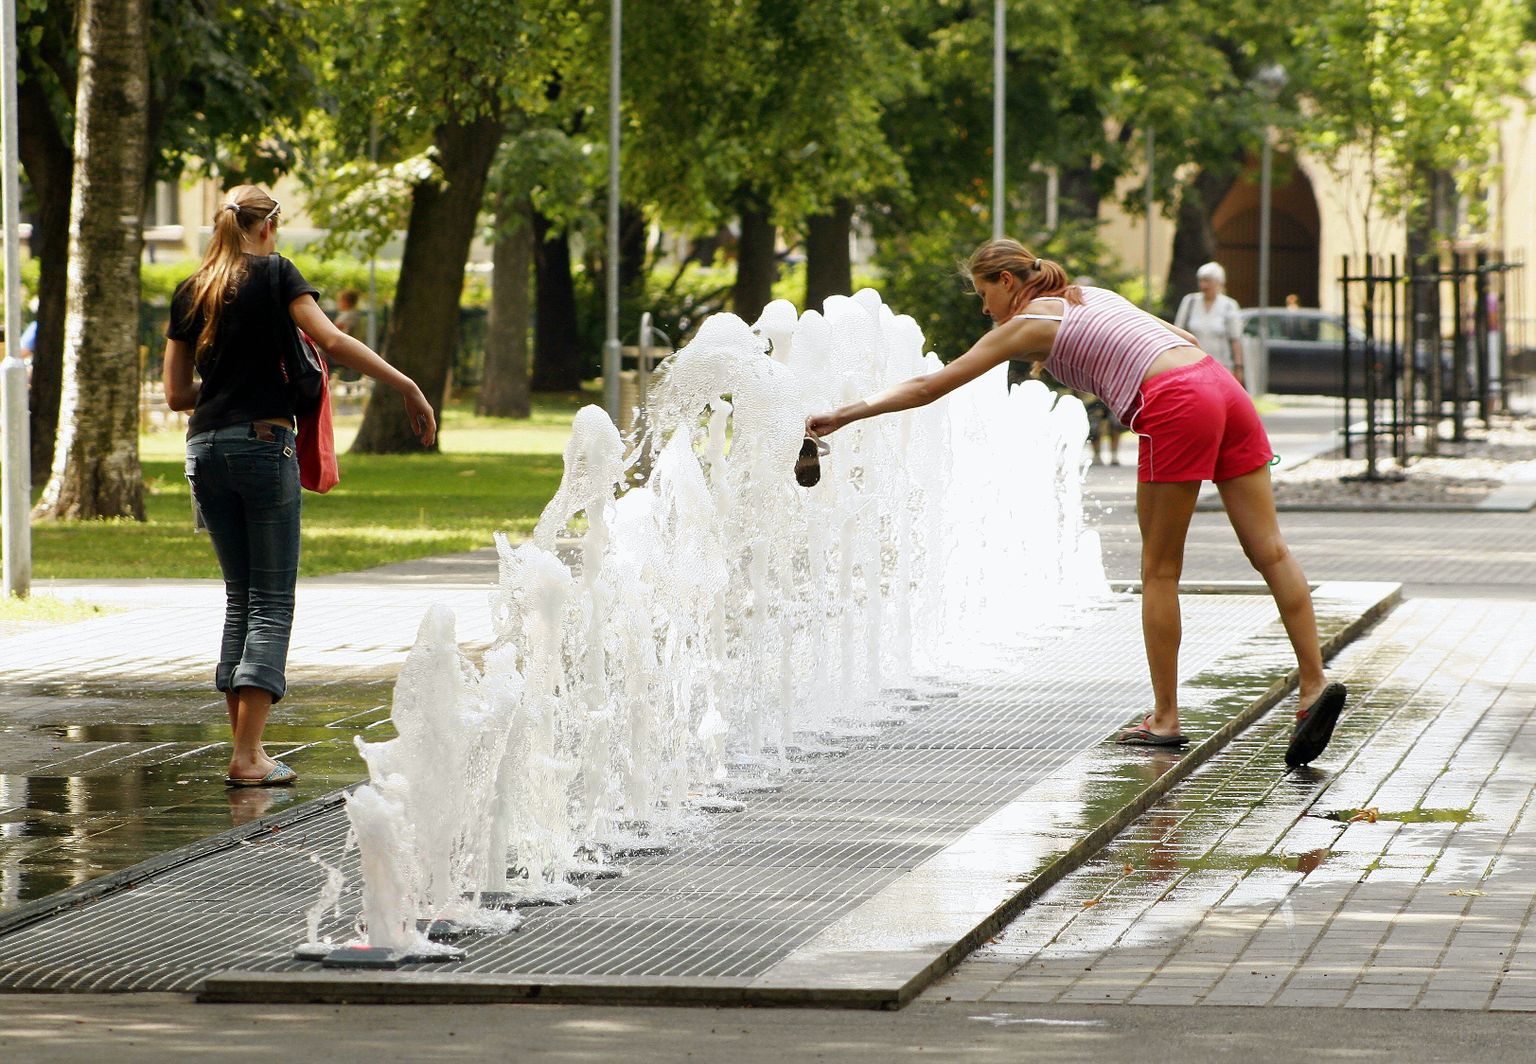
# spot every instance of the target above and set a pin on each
(1314, 726)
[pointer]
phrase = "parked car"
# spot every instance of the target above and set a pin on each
(1306, 350)
(1306, 354)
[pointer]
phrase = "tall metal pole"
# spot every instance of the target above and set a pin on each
(611, 349)
(16, 480)
(373, 260)
(999, 63)
(1151, 196)
(1266, 190)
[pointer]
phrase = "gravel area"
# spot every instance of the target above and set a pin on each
(1463, 474)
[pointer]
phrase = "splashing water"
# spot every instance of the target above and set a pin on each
(719, 614)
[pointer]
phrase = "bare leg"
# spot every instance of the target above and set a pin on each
(1114, 445)
(232, 703)
(249, 760)
(1164, 512)
(1250, 505)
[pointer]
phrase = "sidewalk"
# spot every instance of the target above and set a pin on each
(1249, 887)
(1388, 923)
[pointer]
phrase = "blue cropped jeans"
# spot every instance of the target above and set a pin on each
(245, 479)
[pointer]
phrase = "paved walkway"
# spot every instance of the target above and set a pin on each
(1239, 888)
(1399, 873)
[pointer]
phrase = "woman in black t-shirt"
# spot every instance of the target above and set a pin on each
(226, 325)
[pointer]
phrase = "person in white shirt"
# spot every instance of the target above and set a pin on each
(1215, 319)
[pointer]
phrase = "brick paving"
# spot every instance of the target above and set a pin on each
(1241, 889)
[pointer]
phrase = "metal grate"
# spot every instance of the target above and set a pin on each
(728, 903)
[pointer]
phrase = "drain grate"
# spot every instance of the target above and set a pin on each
(727, 904)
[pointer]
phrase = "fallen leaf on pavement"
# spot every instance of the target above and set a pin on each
(1469, 893)
(1370, 816)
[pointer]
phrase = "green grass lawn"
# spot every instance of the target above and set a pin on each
(492, 475)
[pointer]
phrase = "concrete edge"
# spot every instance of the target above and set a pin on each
(130, 877)
(889, 992)
(433, 988)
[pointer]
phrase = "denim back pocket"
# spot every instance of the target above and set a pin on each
(266, 475)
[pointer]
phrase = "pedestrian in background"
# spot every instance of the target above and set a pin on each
(229, 323)
(1215, 319)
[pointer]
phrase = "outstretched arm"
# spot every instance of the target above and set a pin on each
(1020, 338)
(348, 351)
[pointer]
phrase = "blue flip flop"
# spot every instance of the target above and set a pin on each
(280, 776)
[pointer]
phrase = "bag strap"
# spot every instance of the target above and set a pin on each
(275, 282)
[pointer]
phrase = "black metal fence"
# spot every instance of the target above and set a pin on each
(1428, 349)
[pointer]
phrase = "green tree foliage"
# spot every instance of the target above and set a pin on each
(760, 110)
(421, 93)
(225, 80)
(1417, 87)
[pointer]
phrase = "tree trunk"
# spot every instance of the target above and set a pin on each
(424, 321)
(1079, 194)
(633, 230)
(504, 385)
(557, 362)
(757, 267)
(50, 162)
(828, 262)
(1194, 238)
(96, 463)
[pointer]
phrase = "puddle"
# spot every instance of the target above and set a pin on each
(93, 780)
(1411, 816)
(1304, 863)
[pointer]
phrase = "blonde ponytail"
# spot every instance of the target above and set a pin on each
(245, 209)
(1037, 277)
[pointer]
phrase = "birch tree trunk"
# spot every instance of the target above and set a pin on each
(96, 460)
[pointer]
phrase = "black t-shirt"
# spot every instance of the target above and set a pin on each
(242, 376)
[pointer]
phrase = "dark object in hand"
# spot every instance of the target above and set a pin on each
(808, 465)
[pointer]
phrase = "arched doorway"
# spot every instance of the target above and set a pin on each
(1293, 237)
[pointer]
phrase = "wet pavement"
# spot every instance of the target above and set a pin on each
(1397, 872)
(814, 877)
(98, 774)
(1395, 876)
(94, 780)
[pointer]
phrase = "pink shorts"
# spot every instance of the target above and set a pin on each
(1197, 423)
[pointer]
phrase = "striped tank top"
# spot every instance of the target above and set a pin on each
(1105, 345)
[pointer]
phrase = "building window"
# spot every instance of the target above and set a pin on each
(164, 204)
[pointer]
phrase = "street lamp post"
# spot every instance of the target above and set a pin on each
(16, 479)
(1146, 250)
(1270, 81)
(611, 348)
(999, 56)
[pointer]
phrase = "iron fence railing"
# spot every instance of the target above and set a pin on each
(1441, 340)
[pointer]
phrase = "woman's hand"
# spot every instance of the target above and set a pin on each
(819, 425)
(419, 412)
